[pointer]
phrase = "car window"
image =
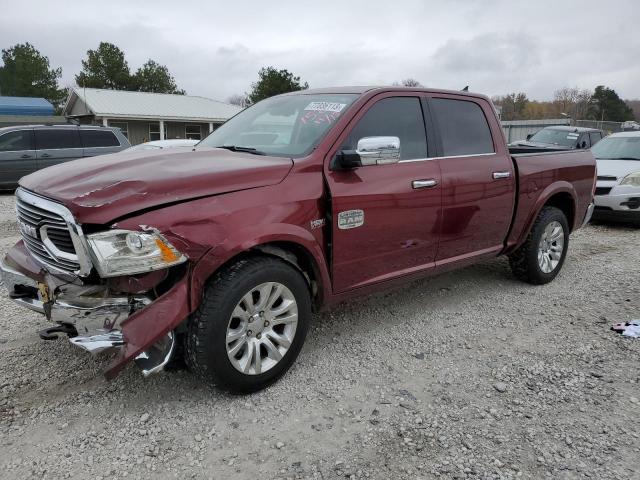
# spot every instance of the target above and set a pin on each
(16, 141)
(55, 138)
(584, 140)
(464, 129)
(396, 117)
(595, 137)
(98, 138)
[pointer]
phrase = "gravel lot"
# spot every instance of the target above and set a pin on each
(467, 375)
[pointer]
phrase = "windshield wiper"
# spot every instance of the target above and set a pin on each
(235, 148)
(625, 158)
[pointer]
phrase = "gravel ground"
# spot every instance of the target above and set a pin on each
(467, 375)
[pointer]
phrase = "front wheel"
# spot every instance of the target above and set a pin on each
(539, 259)
(250, 326)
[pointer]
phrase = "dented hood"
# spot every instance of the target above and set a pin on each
(104, 188)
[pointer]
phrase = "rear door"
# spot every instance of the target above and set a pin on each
(478, 178)
(57, 145)
(385, 217)
(17, 156)
(98, 141)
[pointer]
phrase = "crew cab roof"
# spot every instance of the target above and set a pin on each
(380, 89)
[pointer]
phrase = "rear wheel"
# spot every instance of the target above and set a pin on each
(250, 326)
(539, 259)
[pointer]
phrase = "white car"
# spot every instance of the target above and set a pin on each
(160, 144)
(618, 186)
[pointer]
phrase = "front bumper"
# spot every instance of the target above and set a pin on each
(139, 327)
(620, 203)
(87, 308)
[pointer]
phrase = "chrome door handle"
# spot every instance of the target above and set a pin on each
(424, 183)
(499, 175)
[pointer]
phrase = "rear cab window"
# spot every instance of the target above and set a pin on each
(464, 129)
(16, 141)
(57, 138)
(98, 138)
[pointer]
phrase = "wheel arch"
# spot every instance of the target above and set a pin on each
(561, 195)
(305, 257)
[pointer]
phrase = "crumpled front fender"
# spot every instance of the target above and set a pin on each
(148, 325)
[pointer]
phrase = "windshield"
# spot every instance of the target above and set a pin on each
(556, 137)
(288, 126)
(617, 148)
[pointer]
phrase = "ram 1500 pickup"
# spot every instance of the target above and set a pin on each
(219, 254)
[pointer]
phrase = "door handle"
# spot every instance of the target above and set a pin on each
(26, 155)
(499, 175)
(45, 155)
(430, 183)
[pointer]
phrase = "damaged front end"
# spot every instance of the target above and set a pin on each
(112, 289)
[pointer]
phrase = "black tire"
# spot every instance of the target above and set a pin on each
(205, 343)
(524, 261)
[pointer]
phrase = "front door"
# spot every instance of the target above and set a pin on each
(385, 217)
(57, 145)
(478, 179)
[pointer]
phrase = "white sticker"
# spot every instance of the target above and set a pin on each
(573, 135)
(326, 106)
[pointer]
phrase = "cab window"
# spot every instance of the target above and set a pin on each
(393, 117)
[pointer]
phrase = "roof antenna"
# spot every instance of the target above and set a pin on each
(466, 89)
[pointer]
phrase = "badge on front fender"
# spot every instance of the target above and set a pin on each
(350, 219)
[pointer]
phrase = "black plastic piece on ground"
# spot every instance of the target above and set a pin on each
(50, 333)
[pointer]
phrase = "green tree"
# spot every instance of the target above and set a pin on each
(105, 67)
(606, 105)
(153, 77)
(513, 105)
(274, 82)
(27, 73)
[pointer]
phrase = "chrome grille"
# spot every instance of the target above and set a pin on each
(46, 235)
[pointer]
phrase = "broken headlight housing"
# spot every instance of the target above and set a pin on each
(124, 252)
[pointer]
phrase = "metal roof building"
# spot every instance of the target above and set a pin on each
(25, 106)
(148, 116)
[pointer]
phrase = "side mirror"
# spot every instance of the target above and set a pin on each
(529, 136)
(379, 150)
(370, 151)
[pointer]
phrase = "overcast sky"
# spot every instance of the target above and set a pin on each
(215, 48)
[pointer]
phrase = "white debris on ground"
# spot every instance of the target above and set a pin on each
(471, 374)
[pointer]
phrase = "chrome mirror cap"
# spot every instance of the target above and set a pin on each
(378, 150)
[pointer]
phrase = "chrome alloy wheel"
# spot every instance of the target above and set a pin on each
(262, 328)
(550, 247)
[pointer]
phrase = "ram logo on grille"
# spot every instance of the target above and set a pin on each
(27, 229)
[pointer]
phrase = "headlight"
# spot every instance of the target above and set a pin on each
(122, 252)
(631, 179)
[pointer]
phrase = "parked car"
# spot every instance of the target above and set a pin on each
(618, 188)
(558, 138)
(164, 144)
(27, 148)
(224, 251)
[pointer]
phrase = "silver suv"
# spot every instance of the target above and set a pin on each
(27, 148)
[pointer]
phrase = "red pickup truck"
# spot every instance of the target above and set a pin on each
(219, 254)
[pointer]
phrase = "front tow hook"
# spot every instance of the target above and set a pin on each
(50, 333)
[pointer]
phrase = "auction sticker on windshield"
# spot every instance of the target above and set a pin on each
(326, 106)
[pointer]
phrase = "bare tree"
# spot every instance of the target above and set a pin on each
(572, 101)
(411, 82)
(237, 99)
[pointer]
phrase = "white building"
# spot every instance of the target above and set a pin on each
(145, 116)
